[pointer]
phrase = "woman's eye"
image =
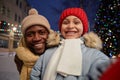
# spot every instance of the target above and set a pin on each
(76, 22)
(65, 22)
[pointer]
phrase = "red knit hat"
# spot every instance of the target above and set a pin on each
(78, 12)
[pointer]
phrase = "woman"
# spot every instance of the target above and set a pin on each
(75, 56)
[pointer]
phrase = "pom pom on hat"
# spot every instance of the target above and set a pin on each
(33, 12)
(78, 12)
(34, 19)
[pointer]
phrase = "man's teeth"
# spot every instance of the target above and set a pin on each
(38, 45)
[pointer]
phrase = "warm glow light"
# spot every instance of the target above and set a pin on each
(14, 28)
(11, 24)
(19, 25)
(8, 24)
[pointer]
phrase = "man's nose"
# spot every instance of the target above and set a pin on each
(37, 37)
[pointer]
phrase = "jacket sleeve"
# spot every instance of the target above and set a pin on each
(18, 63)
(98, 63)
(113, 72)
(99, 67)
(36, 71)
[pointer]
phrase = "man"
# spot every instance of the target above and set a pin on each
(36, 32)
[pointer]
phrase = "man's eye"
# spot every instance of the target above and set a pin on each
(29, 35)
(42, 32)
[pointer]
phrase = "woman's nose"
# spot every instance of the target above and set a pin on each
(71, 25)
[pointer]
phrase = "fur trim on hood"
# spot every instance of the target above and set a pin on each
(53, 39)
(92, 40)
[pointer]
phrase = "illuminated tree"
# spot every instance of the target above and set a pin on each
(107, 26)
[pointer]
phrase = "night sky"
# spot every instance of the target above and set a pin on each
(52, 9)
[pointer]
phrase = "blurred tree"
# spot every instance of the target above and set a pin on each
(107, 26)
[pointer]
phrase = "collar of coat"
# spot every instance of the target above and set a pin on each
(90, 39)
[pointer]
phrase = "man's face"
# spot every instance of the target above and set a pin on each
(35, 38)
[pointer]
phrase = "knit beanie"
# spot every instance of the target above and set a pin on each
(78, 12)
(34, 19)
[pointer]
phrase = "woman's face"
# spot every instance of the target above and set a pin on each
(71, 27)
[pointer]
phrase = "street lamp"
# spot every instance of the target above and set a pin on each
(14, 29)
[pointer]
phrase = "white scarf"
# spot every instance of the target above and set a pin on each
(67, 60)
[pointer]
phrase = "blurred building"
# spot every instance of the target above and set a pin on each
(11, 14)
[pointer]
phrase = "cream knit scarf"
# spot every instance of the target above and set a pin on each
(67, 60)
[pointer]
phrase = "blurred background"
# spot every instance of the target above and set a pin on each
(103, 16)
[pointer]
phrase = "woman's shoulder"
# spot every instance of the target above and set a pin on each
(47, 54)
(92, 51)
(50, 50)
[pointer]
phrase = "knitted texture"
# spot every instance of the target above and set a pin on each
(34, 19)
(78, 12)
